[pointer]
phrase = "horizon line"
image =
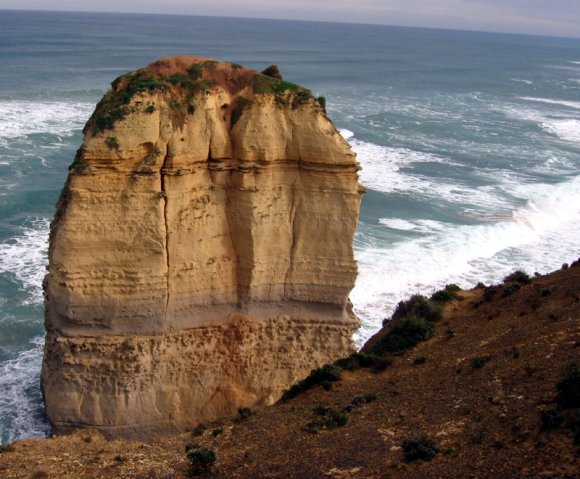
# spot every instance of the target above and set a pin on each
(455, 29)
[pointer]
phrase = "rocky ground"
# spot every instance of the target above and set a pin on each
(476, 389)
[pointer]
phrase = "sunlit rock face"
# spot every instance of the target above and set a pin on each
(201, 254)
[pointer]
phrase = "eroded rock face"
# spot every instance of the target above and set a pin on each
(201, 255)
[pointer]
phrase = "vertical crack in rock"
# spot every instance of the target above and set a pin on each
(230, 208)
(233, 235)
(163, 174)
(293, 208)
(242, 237)
(162, 316)
(298, 186)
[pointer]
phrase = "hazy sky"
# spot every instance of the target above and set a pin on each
(543, 17)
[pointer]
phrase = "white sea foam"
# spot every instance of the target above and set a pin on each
(20, 118)
(25, 255)
(346, 134)
(566, 103)
(557, 124)
(520, 80)
(382, 171)
(21, 401)
(416, 226)
(23, 258)
(398, 224)
(559, 164)
(565, 129)
(518, 112)
(381, 166)
(539, 235)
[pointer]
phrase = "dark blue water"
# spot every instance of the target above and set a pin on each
(470, 144)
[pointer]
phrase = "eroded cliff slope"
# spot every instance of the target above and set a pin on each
(201, 255)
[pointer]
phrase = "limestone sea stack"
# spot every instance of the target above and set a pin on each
(201, 254)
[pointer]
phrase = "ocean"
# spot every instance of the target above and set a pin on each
(469, 143)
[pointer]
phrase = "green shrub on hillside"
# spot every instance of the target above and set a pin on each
(329, 418)
(551, 419)
(199, 429)
(407, 333)
(569, 391)
(510, 289)
(419, 360)
(418, 306)
(451, 291)
(362, 399)
(329, 372)
(201, 460)
(567, 411)
(416, 448)
(480, 361)
(575, 427)
(364, 360)
(518, 276)
(244, 413)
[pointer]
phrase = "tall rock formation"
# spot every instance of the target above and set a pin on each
(201, 254)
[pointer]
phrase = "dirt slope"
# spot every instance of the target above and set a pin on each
(476, 388)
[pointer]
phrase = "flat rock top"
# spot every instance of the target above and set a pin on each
(229, 76)
(192, 71)
(187, 77)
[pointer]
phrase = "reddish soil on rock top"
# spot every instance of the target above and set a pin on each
(230, 77)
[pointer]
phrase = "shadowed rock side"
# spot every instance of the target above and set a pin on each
(201, 254)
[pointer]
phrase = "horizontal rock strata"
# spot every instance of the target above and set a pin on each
(201, 255)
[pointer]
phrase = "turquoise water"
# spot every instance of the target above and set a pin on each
(469, 142)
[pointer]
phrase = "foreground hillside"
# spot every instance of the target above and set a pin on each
(482, 390)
